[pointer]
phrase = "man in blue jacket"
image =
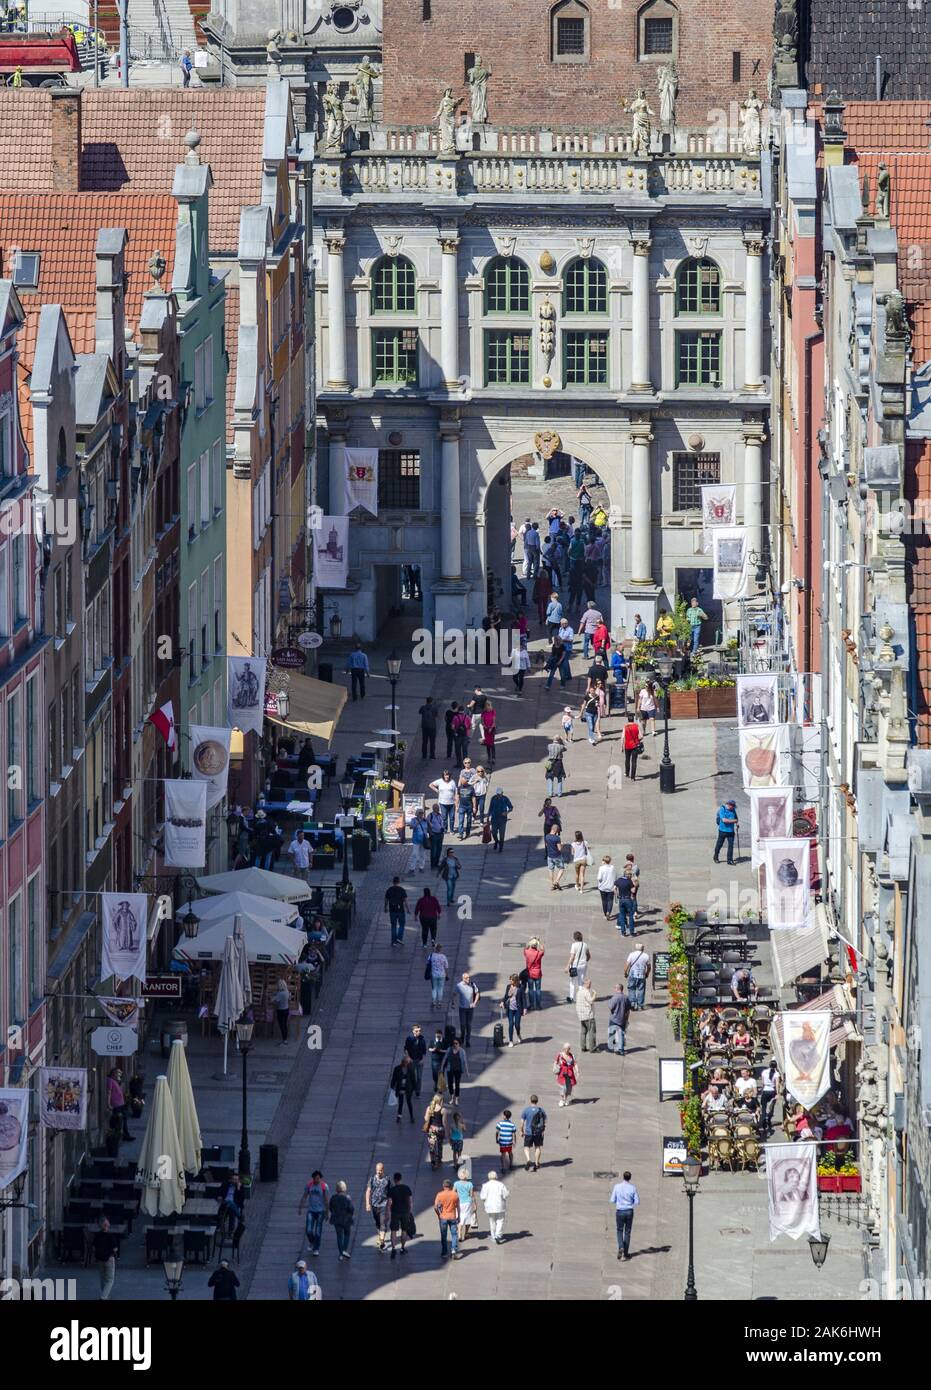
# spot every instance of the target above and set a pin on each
(499, 808)
(727, 829)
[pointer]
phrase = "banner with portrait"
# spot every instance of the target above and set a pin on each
(806, 1050)
(766, 755)
(718, 508)
(63, 1097)
(770, 818)
(185, 824)
(757, 700)
(788, 883)
(362, 479)
(124, 1012)
(792, 1188)
(14, 1134)
(210, 760)
(331, 552)
(246, 686)
(124, 918)
(730, 549)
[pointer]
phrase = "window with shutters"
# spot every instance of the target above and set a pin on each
(399, 479)
(691, 472)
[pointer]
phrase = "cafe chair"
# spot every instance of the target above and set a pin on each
(196, 1247)
(706, 992)
(720, 1147)
(707, 977)
(157, 1246)
(748, 1144)
(731, 957)
(705, 963)
(731, 1015)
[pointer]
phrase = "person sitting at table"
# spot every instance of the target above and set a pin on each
(746, 1089)
(743, 985)
(718, 1036)
(713, 1102)
(741, 1038)
(803, 1124)
(317, 930)
(232, 1203)
(719, 1077)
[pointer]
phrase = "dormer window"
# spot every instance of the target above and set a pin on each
(26, 269)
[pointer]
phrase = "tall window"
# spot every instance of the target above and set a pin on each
(6, 445)
(216, 469)
(658, 31)
(192, 632)
(32, 744)
(20, 580)
(15, 938)
(585, 359)
(657, 36)
(507, 286)
(192, 501)
(203, 374)
(4, 590)
(399, 479)
(14, 753)
(507, 357)
(205, 514)
(586, 290)
(698, 288)
(689, 473)
(570, 32)
(698, 359)
(394, 352)
(34, 927)
(218, 604)
(204, 617)
(394, 286)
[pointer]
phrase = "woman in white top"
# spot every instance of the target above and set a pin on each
(607, 877)
(480, 788)
(577, 964)
(580, 857)
(646, 708)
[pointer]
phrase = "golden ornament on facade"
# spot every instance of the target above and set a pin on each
(547, 443)
(547, 263)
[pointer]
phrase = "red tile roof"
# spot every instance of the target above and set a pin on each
(910, 215)
(885, 125)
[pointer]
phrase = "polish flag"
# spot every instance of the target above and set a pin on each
(164, 721)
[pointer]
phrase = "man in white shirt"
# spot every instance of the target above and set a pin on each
(746, 1088)
(445, 788)
(590, 620)
(713, 1101)
(300, 852)
(494, 1197)
(532, 546)
(467, 996)
(636, 973)
(585, 1008)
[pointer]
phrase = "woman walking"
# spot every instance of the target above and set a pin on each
(566, 1071)
(403, 1080)
(342, 1215)
(454, 1064)
(465, 1192)
(581, 859)
(513, 1006)
(632, 746)
(589, 712)
(577, 964)
(456, 1135)
(607, 878)
(450, 869)
(646, 708)
(555, 770)
(281, 1002)
(533, 961)
(489, 728)
(551, 817)
(521, 664)
(434, 1127)
(480, 788)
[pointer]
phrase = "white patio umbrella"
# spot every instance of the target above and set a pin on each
(230, 1000)
(160, 1167)
(263, 882)
(271, 943)
(242, 961)
(226, 905)
(182, 1098)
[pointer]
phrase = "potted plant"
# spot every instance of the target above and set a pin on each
(683, 699)
(848, 1177)
(717, 699)
(828, 1177)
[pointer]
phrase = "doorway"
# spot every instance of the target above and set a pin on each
(398, 601)
(699, 583)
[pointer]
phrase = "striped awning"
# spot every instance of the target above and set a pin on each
(796, 951)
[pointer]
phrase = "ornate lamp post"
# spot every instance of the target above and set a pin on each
(393, 664)
(244, 1042)
(174, 1269)
(819, 1249)
(346, 789)
(691, 1173)
(667, 768)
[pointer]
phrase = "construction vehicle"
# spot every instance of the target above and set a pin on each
(38, 60)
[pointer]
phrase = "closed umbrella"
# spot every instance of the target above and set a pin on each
(182, 1097)
(160, 1169)
(230, 1000)
(242, 961)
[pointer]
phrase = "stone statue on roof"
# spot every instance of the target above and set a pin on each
(751, 124)
(364, 88)
(446, 119)
(667, 80)
(477, 78)
(883, 191)
(334, 119)
(641, 128)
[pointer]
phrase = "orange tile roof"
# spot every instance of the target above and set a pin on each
(884, 125)
(910, 215)
(27, 139)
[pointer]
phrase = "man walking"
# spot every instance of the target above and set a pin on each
(636, 973)
(590, 620)
(631, 748)
(727, 823)
(494, 1196)
(106, 1248)
(400, 1213)
(299, 854)
(446, 1206)
(303, 1286)
(376, 1201)
(532, 548)
(396, 908)
(618, 1014)
(316, 1197)
(626, 905)
(435, 828)
(438, 966)
(505, 1134)
(467, 996)
(427, 909)
(445, 788)
(696, 617)
(585, 1009)
(499, 808)
(415, 1045)
(224, 1283)
(420, 835)
(533, 1130)
(358, 668)
(427, 714)
(624, 1197)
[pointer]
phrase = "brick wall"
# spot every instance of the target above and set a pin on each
(421, 57)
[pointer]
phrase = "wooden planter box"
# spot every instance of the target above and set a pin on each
(829, 1182)
(683, 704)
(849, 1182)
(718, 704)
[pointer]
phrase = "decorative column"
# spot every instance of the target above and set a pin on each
(754, 439)
(450, 513)
(641, 505)
(449, 312)
(640, 317)
(753, 329)
(338, 377)
(337, 486)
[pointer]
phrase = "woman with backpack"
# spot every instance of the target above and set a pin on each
(566, 1071)
(462, 729)
(434, 1127)
(555, 771)
(533, 961)
(581, 859)
(513, 1006)
(450, 869)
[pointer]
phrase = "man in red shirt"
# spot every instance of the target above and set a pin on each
(428, 910)
(601, 638)
(631, 747)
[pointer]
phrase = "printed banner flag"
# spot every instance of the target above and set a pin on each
(210, 760)
(14, 1134)
(757, 700)
(124, 917)
(331, 552)
(125, 1012)
(718, 508)
(770, 818)
(730, 547)
(185, 824)
(788, 883)
(362, 479)
(246, 684)
(63, 1097)
(792, 1186)
(806, 1045)
(766, 756)
(164, 721)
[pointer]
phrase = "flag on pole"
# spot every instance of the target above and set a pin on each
(164, 721)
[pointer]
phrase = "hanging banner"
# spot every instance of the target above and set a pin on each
(788, 883)
(362, 479)
(718, 508)
(730, 547)
(185, 825)
(806, 1042)
(14, 1134)
(792, 1187)
(125, 1012)
(331, 552)
(210, 760)
(246, 684)
(63, 1097)
(766, 756)
(770, 818)
(757, 700)
(124, 917)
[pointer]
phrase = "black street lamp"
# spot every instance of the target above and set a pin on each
(244, 1041)
(819, 1249)
(667, 768)
(174, 1269)
(190, 922)
(394, 672)
(346, 789)
(691, 1172)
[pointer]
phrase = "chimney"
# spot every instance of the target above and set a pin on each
(66, 139)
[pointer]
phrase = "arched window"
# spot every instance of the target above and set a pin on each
(698, 287)
(394, 286)
(586, 288)
(657, 32)
(507, 286)
(570, 32)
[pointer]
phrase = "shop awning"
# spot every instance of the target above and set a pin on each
(795, 952)
(314, 708)
(837, 1001)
